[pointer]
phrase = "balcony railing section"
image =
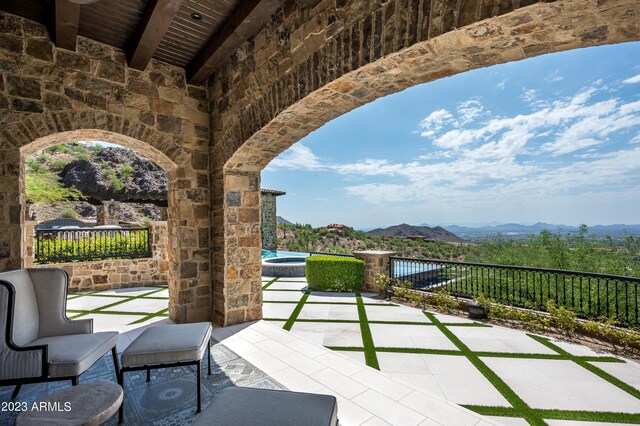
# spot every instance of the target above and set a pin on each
(81, 245)
(590, 295)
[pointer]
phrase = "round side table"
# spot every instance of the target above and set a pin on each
(87, 405)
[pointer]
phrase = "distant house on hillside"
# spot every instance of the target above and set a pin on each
(337, 228)
(420, 238)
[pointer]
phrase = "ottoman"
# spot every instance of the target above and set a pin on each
(237, 406)
(167, 346)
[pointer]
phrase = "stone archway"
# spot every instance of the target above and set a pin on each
(337, 67)
(38, 131)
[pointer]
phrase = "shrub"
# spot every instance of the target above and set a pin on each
(68, 214)
(333, 273)
(126, 171)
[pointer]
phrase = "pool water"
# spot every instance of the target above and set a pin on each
(269, 254)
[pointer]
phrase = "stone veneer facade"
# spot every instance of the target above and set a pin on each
(113, 274)
(308, 66)
(305, 67)
(50, 95)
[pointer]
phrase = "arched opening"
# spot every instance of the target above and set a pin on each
(530, 31)
(125, 261)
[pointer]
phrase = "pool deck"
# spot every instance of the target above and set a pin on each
(431, 368)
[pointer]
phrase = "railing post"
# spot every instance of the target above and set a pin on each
(375, 263)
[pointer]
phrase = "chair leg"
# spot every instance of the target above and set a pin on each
(16, 391)
(74, 381)
(148, 375)
(121, 409)
(116, 365)
(198, 384)
(209, 358)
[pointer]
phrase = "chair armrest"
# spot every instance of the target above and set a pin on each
(50, 285)
(23, 362)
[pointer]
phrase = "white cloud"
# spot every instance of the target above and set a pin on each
(298, 157)
(434, 122)
(554, 77)
(468, 111)
(529, 95)
(502, 84)
(632, 80)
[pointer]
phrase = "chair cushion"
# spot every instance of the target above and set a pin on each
(72, 355)
(25, 315)
(237, 406)
(166, 344)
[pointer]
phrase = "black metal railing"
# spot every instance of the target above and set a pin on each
(78, 245)
(319, 253)
(590, 295)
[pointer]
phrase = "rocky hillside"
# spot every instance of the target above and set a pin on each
(305, 238)
(66, 180)
(404, 230)
(116, 174)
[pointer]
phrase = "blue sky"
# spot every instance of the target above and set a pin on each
(554, 139)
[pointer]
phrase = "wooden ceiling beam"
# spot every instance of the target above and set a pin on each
(153, 27)
(244, 22)
(67, 19)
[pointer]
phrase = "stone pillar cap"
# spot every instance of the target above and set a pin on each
(376, 252)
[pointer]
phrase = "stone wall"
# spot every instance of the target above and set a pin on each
(308, 66)
(269, 225)
(50, 95)
(113, 274)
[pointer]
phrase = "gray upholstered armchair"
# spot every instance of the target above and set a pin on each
(38, 343)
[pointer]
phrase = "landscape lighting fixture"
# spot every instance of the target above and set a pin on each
(196, 16)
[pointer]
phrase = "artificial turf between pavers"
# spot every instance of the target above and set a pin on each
(79, 313)
(519, 408)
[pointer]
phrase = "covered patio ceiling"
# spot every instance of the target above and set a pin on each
(191, 34)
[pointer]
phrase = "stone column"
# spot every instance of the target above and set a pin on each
(28, 242)
(375, 263)
(11, 216)
(111, 211)
(238, 286)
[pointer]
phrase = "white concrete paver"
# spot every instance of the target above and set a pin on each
(329, 334)
(498, 339)
(628, 372)
(559, 384)
(397, 313)
(89, 303)
(364, 394)
(409, 336)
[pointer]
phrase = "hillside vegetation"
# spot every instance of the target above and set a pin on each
(581, 251)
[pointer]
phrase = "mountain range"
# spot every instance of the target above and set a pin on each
(516, 230)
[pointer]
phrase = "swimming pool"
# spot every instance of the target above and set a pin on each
(269, 254)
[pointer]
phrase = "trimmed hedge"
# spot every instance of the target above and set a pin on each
(333, 273)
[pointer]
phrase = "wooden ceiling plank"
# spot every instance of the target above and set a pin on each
(246, 19)
(66, 24)
(153, 27)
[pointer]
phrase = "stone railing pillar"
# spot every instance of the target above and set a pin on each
(375, 263)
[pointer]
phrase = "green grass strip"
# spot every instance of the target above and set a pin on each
(100, 309)
(518, 404)
(370, 356)
(592, 368)
(266, 286)
(162, 313)
(420, 351)
(294, 315)
(589, 416)
(346, 348)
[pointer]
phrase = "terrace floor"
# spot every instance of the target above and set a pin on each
(434, 369)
